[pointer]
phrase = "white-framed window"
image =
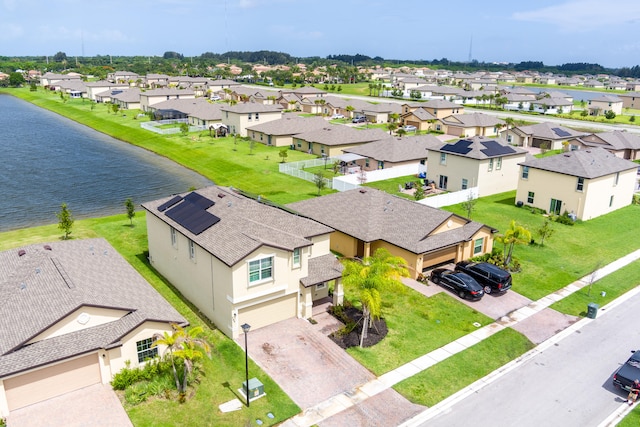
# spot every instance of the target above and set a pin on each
(525, 172)
(257, 116)
(320, 286)
(499, 163)
(490, 165)
(616, 179)
(296, 258)
(443, 158)
(260, 270)
(580, 184)
(146, 350)
(530, 196)
(477, 245)
(465, 184)
(174, 239)
(192, 250)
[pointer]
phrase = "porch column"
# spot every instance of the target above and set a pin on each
(338, 292)
(367, 250)
(306, 302)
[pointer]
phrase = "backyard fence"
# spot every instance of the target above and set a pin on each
(296, 169)
(448, 199)
(154, 126)
(351, 181)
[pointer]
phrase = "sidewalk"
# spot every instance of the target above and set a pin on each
(343, 401)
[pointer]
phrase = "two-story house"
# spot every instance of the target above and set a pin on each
(240, 116)
(240, 260)
(603, 104)
(154, 96)
(587, 183)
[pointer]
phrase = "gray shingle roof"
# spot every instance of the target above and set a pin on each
(616, 140)
(42, 286)
(167, 91)
(551, 131)
(480, 148)
(341, 135)
(396, 149)
(472, 120)
(289, 125)
(245, 225)
(252, 107)
(589, 163)
(370, 215)
(186, 106)
(322, 269)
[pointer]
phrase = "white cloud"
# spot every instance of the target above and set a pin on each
(584, 15)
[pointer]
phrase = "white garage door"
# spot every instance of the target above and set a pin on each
(52, 381)
(269, 312)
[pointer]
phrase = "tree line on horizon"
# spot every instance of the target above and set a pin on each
(172, 61)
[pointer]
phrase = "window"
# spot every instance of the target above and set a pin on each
(261, 269)
(616, 179)
(380, 164)
(465, 184)
(509, 138)
(321, 286)
(580, 185)
(423, 162)
(443, 182)
(257, 116)
(555, 206)
(174, 240)
(477, 245)
(296, 257)
(499, 163)
(366, 163)
(145, 350)
(530, 196)
(610, 201)
(490, 165)
(249, 116)
(525, 172)
(192, 250)
(443, 158)
(573, 147)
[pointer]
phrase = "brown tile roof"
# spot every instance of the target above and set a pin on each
(370, 215)
(588, 163)
(245, 225)
(42, 286)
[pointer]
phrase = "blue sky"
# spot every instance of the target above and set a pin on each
(554, 32)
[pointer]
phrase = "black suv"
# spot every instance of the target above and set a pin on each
(491, 277)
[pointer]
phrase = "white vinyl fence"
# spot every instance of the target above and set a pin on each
(351, 181)
(154, 126)
(296, 169)
(448, 199)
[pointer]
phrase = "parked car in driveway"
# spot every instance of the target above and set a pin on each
(460, 283)
(491, 277)
(337, 116)
(360, 119)
(409, 128)
(624, 376)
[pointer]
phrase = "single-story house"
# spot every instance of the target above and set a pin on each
(366, 219)
(587, 183)
(490, 164)
(468, 125)
(127, 99)
(280, 132)
(73, 313)
(394, 151)
(545, 134)
(94, 88)
(623, 144)
(241, 260)
(331, 140)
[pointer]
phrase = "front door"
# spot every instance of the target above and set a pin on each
(443, 182)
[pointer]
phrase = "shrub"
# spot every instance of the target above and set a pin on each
(136, 394)
(563, 219)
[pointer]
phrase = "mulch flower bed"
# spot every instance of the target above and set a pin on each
(349, 336)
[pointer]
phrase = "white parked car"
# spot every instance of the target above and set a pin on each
(337, 116)
(215, 98)
(409, 128)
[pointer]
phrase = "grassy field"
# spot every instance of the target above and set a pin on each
(225, 367)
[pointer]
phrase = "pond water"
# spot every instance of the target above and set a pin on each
(48, 160)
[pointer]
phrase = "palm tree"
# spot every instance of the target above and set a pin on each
(515, 235)
(171, 342)
(350, 109)
(380, 272)
(394, 117)
(392, 126)
(401, 132)
(509, 123)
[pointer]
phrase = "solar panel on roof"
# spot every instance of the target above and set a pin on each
(192, 217)
(560, 132)
(163, 207)
(492, 149)
(199, 200)
(460, 147)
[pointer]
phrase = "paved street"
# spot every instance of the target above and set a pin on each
(567, 385)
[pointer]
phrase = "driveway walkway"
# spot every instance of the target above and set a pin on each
(93, 406)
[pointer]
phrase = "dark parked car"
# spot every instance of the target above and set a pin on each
(491, 277)
(624, 376)
(462, 284)
(361, 119)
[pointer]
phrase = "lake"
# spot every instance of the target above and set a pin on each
(48, 160)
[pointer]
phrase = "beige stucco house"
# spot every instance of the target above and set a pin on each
(630, 100)
(490, 164)
(468, 125)
(280, 132)
(587, 183)
(240, 260)
(604, 103)
(240, 116)
(331, 140)
(394, 151)
(366, 219)
(73, 314)
(420, 118)
(545, 134)
(623, 144)
(154, 96)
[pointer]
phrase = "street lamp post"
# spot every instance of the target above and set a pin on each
(245, 329)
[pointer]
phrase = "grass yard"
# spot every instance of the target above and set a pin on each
(429, 324)
(223, 373)
(435, 384)
(392, 185)
(571, 253)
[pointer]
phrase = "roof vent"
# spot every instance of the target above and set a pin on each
(22, 252)
(362, 190)
(47, 247)
(221, 195)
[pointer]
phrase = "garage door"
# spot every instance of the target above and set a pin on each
(269, 312)
(53, 381)
(439, 257)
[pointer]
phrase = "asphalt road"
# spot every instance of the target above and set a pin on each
(568, 385)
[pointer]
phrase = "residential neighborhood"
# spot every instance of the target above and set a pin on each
(433, 170)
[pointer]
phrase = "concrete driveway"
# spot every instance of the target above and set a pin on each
(93, 406)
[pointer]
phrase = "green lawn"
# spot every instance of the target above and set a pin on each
(462, 369)
(429, 324)
(571, 253)
(227, 363)
(391, 185)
